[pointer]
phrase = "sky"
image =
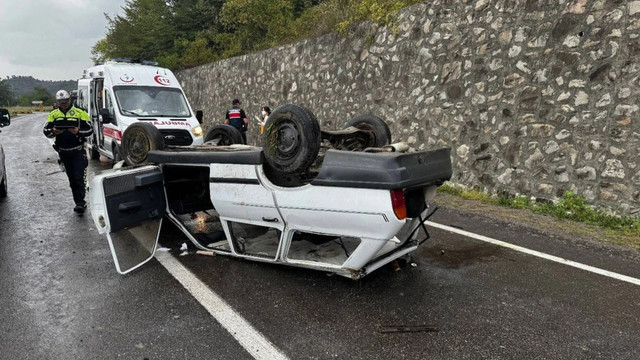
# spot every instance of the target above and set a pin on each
(51, 39)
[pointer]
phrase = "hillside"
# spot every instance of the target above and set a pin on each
(25, 84)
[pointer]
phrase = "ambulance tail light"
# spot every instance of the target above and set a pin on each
(399, 204)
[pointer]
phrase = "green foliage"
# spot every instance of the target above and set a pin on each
(7, 98)
(380, 12)
(450, 189)
(143, 32)
(518, 202)
(570, 206)
(256, 24)
(39, 93)
(574, 207)
(42, 94)
(185, 33)
(21, 85)
(318, 20)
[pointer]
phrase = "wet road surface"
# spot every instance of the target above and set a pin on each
(62, 298)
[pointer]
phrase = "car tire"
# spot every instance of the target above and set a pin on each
(138, 139)
(3, 186)
(380, 134)
(292, 138)
(226, 135)
(116, 154)
(93, 152)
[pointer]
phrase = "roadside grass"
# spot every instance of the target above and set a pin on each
(617, 229)
(17, 110)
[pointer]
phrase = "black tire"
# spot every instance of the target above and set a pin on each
(3, 185)
(227, 135)
(380, 135)
(116, 154)
(93, 151)
(291, 140)
(138, 140)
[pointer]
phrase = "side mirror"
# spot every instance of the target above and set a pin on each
(199, 116)
(106, 116)
(5, 118)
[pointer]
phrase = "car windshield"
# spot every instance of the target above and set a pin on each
(150, 101)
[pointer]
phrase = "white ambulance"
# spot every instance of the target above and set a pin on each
(120, 92)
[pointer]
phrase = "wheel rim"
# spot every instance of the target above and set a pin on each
(372, 134)
(223, 140)
(288, 139)
(360, 141)
(138, 147)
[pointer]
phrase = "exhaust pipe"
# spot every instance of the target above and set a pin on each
(396, 147)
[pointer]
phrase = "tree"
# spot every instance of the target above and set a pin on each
(197, 22)
(39, 93)
(6, 94)
(193, 17)
(42, 94)
(144, 31)
(256, 24)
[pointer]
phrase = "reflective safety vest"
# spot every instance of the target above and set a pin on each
(73, 117)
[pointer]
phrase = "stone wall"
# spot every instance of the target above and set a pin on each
(534, 97)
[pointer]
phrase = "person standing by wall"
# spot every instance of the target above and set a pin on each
(266, 111)
(70, 126)
(262, 119)
(237, 118)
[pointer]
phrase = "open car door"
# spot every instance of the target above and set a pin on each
(128, 205)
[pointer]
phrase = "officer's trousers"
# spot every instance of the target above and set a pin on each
(75, 165)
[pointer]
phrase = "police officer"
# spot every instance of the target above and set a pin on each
(238, 119)
(71, 126)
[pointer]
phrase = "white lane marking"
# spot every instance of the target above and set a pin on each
(539, 254)
(254, 342)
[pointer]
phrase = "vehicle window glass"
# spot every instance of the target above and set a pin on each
(151, 101)
(108, 104)
(82, 99)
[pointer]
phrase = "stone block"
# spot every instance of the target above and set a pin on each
(613, 169)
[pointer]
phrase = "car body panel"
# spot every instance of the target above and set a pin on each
(349, 231)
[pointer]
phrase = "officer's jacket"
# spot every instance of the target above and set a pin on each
(73, 117)
(236, 117)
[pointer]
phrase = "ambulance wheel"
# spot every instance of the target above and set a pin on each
(376, 128)
(93, 153)
(223, 135)
(138, 139)
(116, 154)
(291, 140)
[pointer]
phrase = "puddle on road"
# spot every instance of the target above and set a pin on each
(454, 258)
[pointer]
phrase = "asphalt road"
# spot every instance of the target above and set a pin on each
(61, 297)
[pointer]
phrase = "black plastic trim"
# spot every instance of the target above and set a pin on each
(248, 157)
(384, 170)
(234, 181)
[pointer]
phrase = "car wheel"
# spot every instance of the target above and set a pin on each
(93, 152)
(379, 133)
(223, 135)
(138, 139)
(291, 140)
(116, 154)
(3, 186)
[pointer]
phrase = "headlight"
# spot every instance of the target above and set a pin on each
(197, 131)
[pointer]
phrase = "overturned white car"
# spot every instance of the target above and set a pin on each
(345, 212)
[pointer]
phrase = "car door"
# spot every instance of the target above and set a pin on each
(97, 104)
(129, 205)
